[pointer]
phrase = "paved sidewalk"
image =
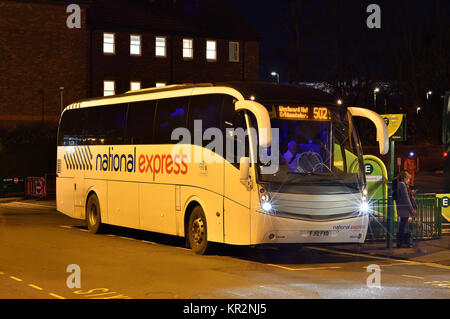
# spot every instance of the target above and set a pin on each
(437, 250)
(10, 199)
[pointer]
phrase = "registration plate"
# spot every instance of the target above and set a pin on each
(319, 233)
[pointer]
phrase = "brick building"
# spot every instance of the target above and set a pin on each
(120, 45)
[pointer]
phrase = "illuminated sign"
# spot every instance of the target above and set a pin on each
(300, 112)
(293, 112)
(396, 125)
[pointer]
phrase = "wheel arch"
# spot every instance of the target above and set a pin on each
(191, 203)
(89, 192)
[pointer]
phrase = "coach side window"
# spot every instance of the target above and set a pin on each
(140, 122)
(105, 125)
(170, 114)
(206, 110)
(91, 127)
(70, 128)
(113, 123)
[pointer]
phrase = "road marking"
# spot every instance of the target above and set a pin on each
(406, 262)
(441, 284)
(2, 273)
(415, 277)
(436, 282)
(15, 278)
(400, 264)
(126, 238)
(110, 235)
(35, 287)
(148, 242)
(102, 294)
(56, 296)
(436, 265)
(120, 296)
(302, 269)
(65, 226)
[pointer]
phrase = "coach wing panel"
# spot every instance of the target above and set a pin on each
(382, 132)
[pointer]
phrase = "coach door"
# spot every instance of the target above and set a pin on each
(78, 180)
(207, 173)
(236, 195)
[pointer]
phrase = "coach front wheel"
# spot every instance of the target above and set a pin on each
(197, 233)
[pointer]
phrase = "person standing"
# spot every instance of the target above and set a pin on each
(406, 207)
(410, 165)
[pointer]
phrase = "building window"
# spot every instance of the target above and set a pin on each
(135, 44)
(108, 43)
(234, 51)
(211, 50)
(188, 49)
(134, 85)
(160, 46)
(159, 84)
(109, 88)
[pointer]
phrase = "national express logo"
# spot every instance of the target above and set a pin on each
(81, 158)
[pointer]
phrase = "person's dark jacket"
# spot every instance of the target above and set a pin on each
(404, 206)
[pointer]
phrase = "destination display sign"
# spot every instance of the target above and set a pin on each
(305, 113)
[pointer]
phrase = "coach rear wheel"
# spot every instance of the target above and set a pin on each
(197, 231)
(93, 216)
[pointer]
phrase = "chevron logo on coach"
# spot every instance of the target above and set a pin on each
(78, 157)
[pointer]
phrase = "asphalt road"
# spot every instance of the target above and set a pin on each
(37, 244)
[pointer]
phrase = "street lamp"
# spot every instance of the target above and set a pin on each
(277, 75)
(339, 102)
(61, 96)
(375, 97)
(429, 93)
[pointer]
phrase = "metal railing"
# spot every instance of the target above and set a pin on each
(426, 225)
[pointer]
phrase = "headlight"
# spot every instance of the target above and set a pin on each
(266, 206)
(364, 207)
(265, 201)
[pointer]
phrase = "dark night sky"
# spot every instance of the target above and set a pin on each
(319, 28)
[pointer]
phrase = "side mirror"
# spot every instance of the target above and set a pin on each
(244, 170)
(380, 124)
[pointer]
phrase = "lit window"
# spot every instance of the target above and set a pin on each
(159, 84)
(160, 46)
(234, 51)
(188, 51)
(108, 43)
(135, 86)
(109, 88)
(211, 50)
(135, 44)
